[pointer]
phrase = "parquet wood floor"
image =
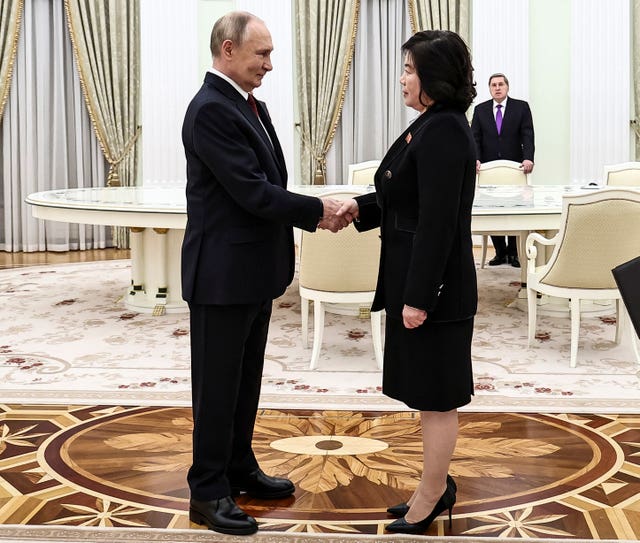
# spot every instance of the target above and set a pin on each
(518, 475)
(15, 260)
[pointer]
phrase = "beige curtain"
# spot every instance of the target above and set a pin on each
(635, 55)
(106, 46)
(440, 15)
(10, 14)
(325, 39)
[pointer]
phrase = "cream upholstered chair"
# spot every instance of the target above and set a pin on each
(625, 174)
(598, 231)
(362, 173)
(339, 268)
(499, 172)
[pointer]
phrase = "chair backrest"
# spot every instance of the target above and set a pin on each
(598, 231)
(502, 172)
(625, 174)
(362, 173)
(345, 261)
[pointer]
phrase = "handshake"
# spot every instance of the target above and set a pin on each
(338, 214)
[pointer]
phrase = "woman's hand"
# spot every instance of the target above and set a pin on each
(349, 210)
(412, 317)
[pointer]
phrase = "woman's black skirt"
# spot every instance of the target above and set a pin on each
(429, 367)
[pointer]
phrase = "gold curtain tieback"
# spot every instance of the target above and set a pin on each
(113, 179)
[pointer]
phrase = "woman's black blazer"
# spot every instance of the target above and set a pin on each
(424, 195)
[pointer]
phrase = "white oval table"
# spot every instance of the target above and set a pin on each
(157, 218)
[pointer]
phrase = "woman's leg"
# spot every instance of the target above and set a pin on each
(439, 435)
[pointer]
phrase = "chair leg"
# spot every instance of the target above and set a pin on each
(318, 329)
(619, 323)
(635, 340)
(532, 310)
(484, 251)
(626, 329)
(575, 329)
(635, 343)
(376, 336)
(304, 313)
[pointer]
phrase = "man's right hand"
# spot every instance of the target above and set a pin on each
(330, 219)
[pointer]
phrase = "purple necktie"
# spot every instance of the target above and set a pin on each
(499, 118)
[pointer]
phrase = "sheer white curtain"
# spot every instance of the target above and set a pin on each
(599, 127)
(373, 115)
(169, 77)
(46, 141)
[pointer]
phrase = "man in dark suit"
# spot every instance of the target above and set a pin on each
(503, 130)
(237, 256)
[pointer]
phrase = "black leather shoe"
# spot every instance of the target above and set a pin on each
(222, 516)
(402, 509)
(513, 260)
(497, 260)
(262, 486)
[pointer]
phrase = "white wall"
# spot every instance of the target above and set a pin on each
(550, 89)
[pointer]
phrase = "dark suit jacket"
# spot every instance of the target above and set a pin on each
(424, 194)
(238, 245)
(516, 139)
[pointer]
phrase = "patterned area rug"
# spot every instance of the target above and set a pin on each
(66, 337)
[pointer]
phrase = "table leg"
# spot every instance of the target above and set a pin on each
(161, 293)
(155, 271)
(137, 260)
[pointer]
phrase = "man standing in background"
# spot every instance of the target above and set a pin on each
(503, 130)
(237, 256)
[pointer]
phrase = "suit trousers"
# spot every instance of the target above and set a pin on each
(505, 248)
(227, 357)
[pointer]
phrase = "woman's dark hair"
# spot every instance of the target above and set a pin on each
(443, 64)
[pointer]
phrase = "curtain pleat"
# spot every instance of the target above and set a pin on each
(441, 15)
(10, 18)
(325, 38)
(106, 45)
(635, 55)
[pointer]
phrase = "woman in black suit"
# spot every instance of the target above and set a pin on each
(427, 279)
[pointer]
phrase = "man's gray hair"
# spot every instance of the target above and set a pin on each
(232, 26)
(499, 75)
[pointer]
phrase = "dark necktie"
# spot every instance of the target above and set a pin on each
(498, 118)
(252, 104)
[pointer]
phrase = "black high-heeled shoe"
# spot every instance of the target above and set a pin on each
(446, 501)
(401, 509)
